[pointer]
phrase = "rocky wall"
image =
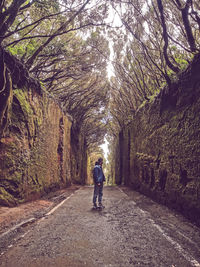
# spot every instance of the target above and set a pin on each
(160, 149)
(35, 149)
(79, 158)
(90, 166)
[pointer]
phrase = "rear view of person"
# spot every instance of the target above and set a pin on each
(99, 178)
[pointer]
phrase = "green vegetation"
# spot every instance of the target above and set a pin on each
(6, 199)
(22, 96)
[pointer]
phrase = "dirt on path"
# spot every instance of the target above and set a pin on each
(131, 231)
(10, 217)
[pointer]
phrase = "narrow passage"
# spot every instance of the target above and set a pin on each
(131, 231)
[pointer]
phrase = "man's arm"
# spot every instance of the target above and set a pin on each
(96, 174)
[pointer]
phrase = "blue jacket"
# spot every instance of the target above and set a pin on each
(98, 175)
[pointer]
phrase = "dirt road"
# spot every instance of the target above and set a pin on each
(131, 231)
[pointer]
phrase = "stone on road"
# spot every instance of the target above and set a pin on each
(122, 234)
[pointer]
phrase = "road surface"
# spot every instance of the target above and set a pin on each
(131, 231)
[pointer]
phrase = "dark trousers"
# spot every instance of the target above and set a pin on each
(98, 192)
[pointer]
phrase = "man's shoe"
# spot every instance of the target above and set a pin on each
(101, 206)
(95, 206)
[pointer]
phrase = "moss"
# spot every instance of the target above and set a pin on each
(26, 109)
(151, 99)
(11, 156)
(18, 176)
(25, 116)
(39, 120)
(22, 97)
(6, 199)
(7, 161)
(145, 157)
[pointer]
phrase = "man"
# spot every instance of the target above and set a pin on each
(99, 178)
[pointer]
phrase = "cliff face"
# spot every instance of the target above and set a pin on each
(160, 150)
(79, 158)
(37, 148)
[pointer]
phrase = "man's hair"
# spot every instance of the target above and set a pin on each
(100, 160)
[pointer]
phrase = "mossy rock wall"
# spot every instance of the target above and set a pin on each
(89, 179)
(79, 158)
(35, 150)
(160, 149)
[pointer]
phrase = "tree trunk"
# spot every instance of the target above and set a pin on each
(165, 37)
(5, 93)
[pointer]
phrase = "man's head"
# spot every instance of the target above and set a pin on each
(100, 161)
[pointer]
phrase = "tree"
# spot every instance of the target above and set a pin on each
(28, 22)
(171, 23)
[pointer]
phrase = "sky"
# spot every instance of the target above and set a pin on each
(105, 148)
(116, 22)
